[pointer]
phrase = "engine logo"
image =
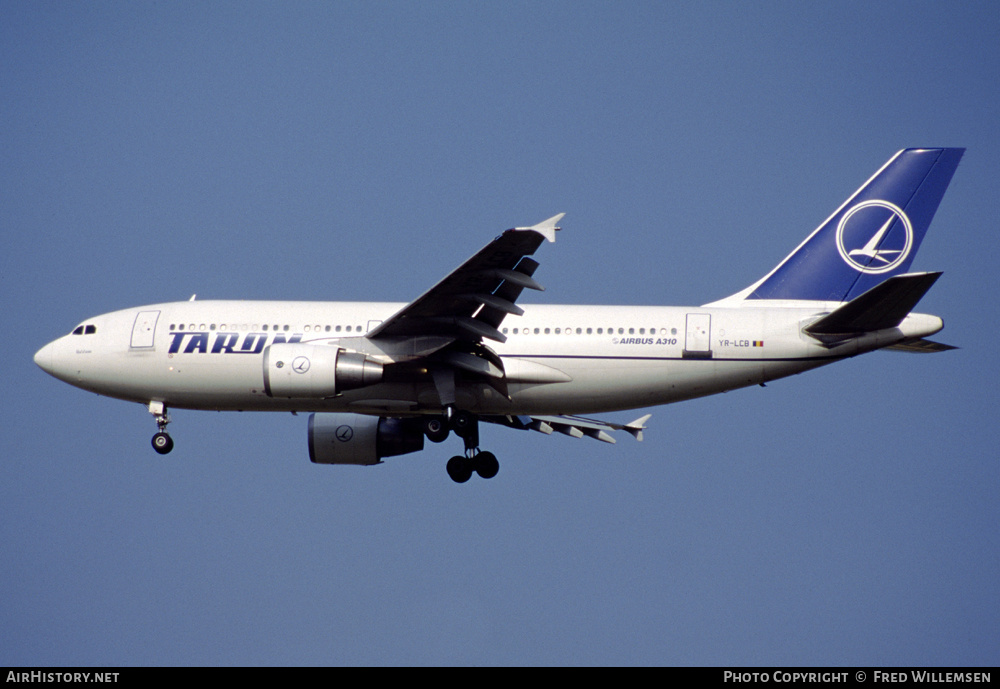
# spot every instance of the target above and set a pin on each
(300, 364)
(344, 433)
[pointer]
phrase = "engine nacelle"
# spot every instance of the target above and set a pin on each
(361, 439)
(296, 369)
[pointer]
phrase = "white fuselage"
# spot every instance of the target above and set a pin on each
(557, 359)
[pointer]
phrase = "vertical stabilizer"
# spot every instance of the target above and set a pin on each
(873, 236)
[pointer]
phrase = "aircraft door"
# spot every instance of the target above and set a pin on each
(697, 339)
(144, 329)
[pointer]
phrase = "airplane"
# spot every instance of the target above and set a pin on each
(377, 379)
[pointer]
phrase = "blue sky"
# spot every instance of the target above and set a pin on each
(361, 150)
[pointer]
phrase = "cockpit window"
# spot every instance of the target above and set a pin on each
(85, 330)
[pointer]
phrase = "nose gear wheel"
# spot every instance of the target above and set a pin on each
(162, 442)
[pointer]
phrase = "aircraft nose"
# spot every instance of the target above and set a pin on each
(43, 358)
(52, 359)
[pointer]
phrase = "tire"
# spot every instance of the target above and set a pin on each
(163, 443)
(459, 469)
(463, 423)
(487, 465)
(436, 429)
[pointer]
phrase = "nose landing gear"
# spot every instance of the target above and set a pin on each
(162, 442)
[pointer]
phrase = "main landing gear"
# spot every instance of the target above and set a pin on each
(466, 426)
(162, 442)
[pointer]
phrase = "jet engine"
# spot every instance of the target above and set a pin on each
(361, 439)
(293, 369)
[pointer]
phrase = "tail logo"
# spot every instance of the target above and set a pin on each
(873, 257)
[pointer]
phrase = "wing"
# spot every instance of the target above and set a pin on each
(472, 301)
(574, 426)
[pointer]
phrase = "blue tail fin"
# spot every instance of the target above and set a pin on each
(873, 236)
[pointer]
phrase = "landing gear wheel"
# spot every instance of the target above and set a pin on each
(460, 469)
(487, 465)
(163, 443)
(466, 426)
(436, 429)
(463, 423)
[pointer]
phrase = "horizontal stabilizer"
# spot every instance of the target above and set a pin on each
(920, 346)
(883, 306)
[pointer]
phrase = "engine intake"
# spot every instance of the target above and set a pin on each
(360, 439)
(293, 369)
